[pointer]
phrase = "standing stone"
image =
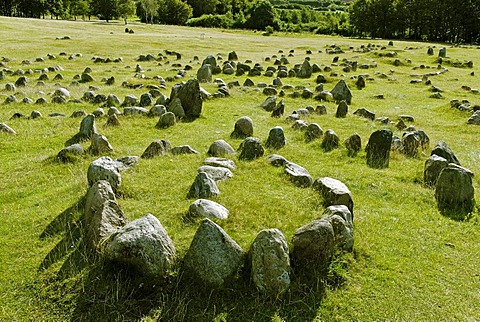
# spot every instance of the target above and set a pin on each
(363, 112)
(269, 103)
(7, 129)
(156, 148)
(444, 151)
(208, 208)
(232, 56)
(113, 120)
(442, 53)
(106, 169)
(103, 216)
(70, 153)
(276, 138)
(454, 191)
(330, 141)
(99, 145)
(216, 173)
(306, 70)
(190, 97)
(313, 132)
(353, 144)
(298, 175)
(166, 120)
(410, 143)
(430, 51)
(210, 60)
(144, 245)
(341, 92)
(220, 148)
(334, 192)
(313, 246)
(433, 166)
(341, 220)
(378, 149)
(175, 107)
(360, 83)
(146, 100)
(270, 263)
(279, 109)
(86, 132)
(213, 258)
(113, 100)
(475, 118)
(204, 74)
(130, 100)
(243, 128)
(250, 149)
(203, 187)
(342, 109)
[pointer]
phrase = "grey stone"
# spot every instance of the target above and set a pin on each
(190, 97)
(203, 187)
(207, 208)
(156, 148)
(166, 120)
(87, 130)
(144, 245)
(106, 169)
(411, 144)
(62, 92)
(112, 100)
(10, 87)
(269, 104)
(86, 78)
(313, 132)
(100, 145)
(341, 92)
(213, 258)
(250, 149)
(130, 100)
(444, 151)
(269, 262)
(220, 148)
(306, 70)
(276, 138)
(11, 99)
(298, 175)
(300, 125)
(330, 141)
(243, 128)
(22, 81)
(210, 60)
(279, 109)
(475, 118)
(204, 74)
(433, 166)
(41, 101)
(113, 110)
(146, 100)
(79, 113)
(360, 83)
(341, 220)
(7, 129)
(220, 162)
(157, 111)
(378, 149)
(35, 114)
(134, 110)
(102, 216)
(342, 109)
(353, 144)
(183, 149)
(277, 160)
(334, 192)
(442, 53)
(363, 112)
(112, 120)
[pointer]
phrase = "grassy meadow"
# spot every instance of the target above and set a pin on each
(409, 263)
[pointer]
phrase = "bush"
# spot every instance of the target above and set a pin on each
(211, 21)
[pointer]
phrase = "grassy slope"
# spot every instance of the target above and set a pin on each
(403, 269)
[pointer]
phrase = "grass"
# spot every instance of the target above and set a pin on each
(409, 261)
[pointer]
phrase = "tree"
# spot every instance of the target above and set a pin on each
(174, 12)
(150, 9)
(125, 8)
(106, 9)
(262, 14)
(203, 7)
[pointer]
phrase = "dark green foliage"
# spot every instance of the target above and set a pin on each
(262, 14)
(211, 21)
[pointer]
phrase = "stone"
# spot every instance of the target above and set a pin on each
(243, 128)
(166, 120)
(41, 101)
(279, 109)
(144, 245)
(183, 149)
(442, 53)
(11, 99)
(276, 138)
(113, 120)
(35, 114)
(220, 162)
(62, 92)
(10, 87)
(313, 132)
(444, 151)
(213, 258)
(79, 113)
(298, 175)
(156, 148)
(353, 144)
(341, 220)
(306, 70)
(207, 208)
(100, 145)
(99, 112)
(411, 144)
(360, 83)
(21, 81)
(313, 246)
(277, 160)
(433, 166)
(86, 78)
(269, 104)
(475, 118)
(321, 110)
(87, 130)
(129, 100)
(210, 60)
(216, 173)
(146, 100)
(378, 149)
(6, 129)
(157, 111)
(102, 215)
(454, 192)
(112, 100)
(134, 110)
(363, 112)
(269, 262)
(106, 169)
(330, 141)
(113, 110)
(342, 110)
(203, 187)
(190, 97)
(204, 74)
(334, 192)
(250, 149)
(341, 92)
(175, 107)
(232, 56)
(220, 148)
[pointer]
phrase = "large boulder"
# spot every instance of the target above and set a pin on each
(208, 208)
(342, 109)
(306, 70)
(220, 148)
(243, 128)
(100, 145)
(144, 245)
(330, 141)
(190, 97)
(106, 169)
(70, 153)
(213, 258)
(298, 175)
(203, 187)
(341, 92)
(454, 191)
(156, 148)
(334, 192)
(204, 74)
(216, 173)
(443, 150)
(102, 215)
(270, 263)
(341, 220)
(378, 149)
(250, 149)
(86, 132)
(353, 144)
(433, 166)
(276, 138)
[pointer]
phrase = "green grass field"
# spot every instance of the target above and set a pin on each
(409, 263)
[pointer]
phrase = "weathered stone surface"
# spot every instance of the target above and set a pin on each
(203, 187)
(313, 132)
(341, 92)
(134, 110)
(103, 216)
(411, 144)
(298, 175)
(277, 160)
(157, 111)
(269, 103)
(144, 245)
(106, 169)
(70, 153)
(378, 149)
(190, 97)
(156, 148)
(433, 166)
(341, 220)
(166, 120)
(363, 112)
(100, 145)
(7, 129)
(353, 144)
(475, 118)
(250, 149)
(279, 109)
(306, 70)
(113, 120)
(220, 162)
(87, 130)
(270, 263)
(130, 100)
(146, 100)
(342, 110)
(213, 258)
(313, 246)
(243, 128)
(216, 173)
(220, 148)
(334, 192)
(204, 74)
(207, 208)
(454, 191)
(330, 141)
(276, 138)
(444, 151)
(183, 149)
